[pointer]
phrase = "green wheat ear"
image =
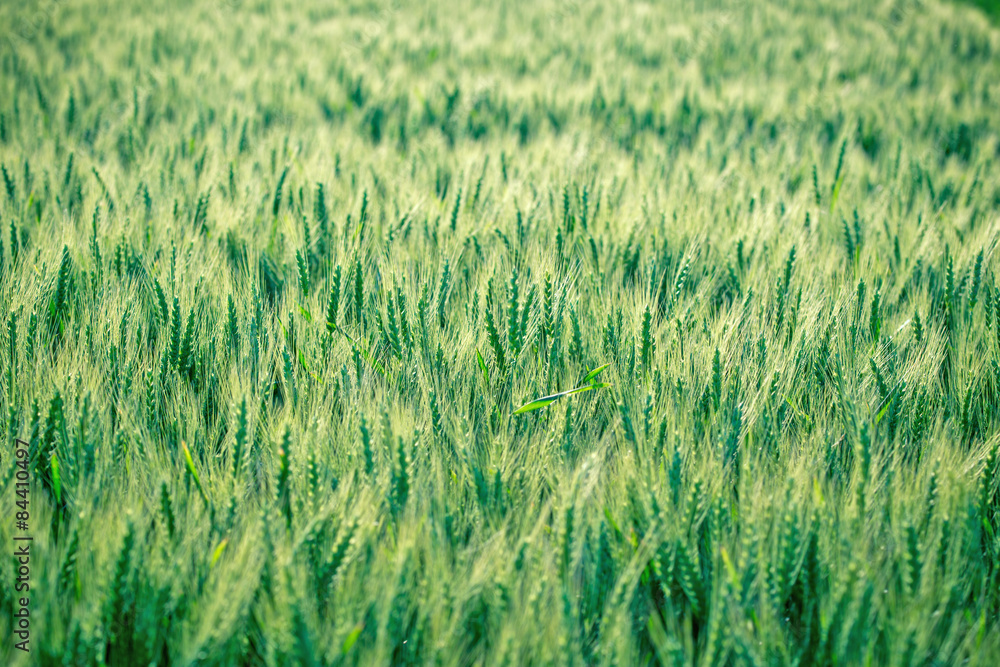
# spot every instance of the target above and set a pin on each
(284, 494)
(493, 336)
(69, 577)
(303, 270)
(58, 306)
(241, 438)
(442, 294)
(232, 325)
(167, 510)
(276, 201)
(161, 301)
(333, 304)
(648, 344)
(359, 294)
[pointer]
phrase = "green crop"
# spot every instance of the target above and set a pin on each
(522, 333)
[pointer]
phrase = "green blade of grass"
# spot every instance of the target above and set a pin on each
(546, 401)
(217, 554)
(350, 639)
(594, 373)
(189, 462)
(836, 193)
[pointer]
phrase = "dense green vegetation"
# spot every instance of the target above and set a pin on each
(991, 7)
(276, 276)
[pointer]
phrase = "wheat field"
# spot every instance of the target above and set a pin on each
(513, 333)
